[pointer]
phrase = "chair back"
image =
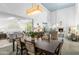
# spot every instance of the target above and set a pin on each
(54, 35)
(18, 43)
(30, 46)
(46, 36)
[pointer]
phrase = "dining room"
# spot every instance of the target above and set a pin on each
(39, 28)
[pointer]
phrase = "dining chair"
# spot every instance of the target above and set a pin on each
(46, 37)
(58, 49)
(30, 46)
(54, 35)
(20, 46)
(11, 37)
(31, 49)
(73, 37)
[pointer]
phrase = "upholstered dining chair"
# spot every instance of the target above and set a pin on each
(54, 35)
(32, 50)
(46, 36)
(30, 46)
(20, 46)
(11, 37)
(73, 37)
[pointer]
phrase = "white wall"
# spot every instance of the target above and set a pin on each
(19, 9)
(66, 15)
(40, 18)
(77, 13)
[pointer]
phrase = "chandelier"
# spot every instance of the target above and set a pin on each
(34, 9)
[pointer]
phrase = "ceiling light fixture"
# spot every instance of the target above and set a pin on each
(34, 9)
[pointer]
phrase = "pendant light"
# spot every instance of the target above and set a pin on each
(34, 9)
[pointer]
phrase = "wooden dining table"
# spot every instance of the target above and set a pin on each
(48, 46)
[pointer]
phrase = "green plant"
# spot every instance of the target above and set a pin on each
(32, 34)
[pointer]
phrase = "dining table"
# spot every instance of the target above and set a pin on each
(48, 46)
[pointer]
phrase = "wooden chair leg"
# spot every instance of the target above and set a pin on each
(17, 51)
(13, 45)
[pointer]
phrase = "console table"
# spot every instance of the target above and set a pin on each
(3, 36)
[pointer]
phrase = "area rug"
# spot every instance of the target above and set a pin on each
(4, 43)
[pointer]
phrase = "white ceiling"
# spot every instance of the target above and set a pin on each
(14, 9)
(19, 8)
(56, 6)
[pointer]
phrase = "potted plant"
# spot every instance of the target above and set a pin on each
(32, 34)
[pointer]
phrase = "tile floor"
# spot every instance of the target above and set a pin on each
(69, 48)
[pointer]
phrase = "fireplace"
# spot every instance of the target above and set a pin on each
(60, 29)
